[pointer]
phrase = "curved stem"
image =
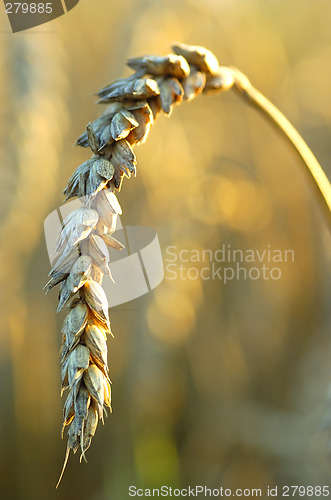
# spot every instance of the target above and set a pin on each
(316, 173)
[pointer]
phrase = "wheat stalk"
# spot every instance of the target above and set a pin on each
(158, 84)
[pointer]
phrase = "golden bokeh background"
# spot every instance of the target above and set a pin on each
(214, 384)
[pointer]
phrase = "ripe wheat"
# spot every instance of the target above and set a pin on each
(157, 85)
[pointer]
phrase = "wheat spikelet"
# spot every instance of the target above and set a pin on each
(158, 84)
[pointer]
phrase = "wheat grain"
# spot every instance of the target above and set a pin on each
(158, 84)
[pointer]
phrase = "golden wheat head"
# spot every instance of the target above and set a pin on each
(82, 258)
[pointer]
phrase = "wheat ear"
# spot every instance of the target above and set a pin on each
(158, 84)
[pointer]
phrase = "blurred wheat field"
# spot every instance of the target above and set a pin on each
(223, 385)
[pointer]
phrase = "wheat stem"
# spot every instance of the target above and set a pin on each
(316, 173)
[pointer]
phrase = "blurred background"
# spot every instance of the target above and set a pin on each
(213, 384)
